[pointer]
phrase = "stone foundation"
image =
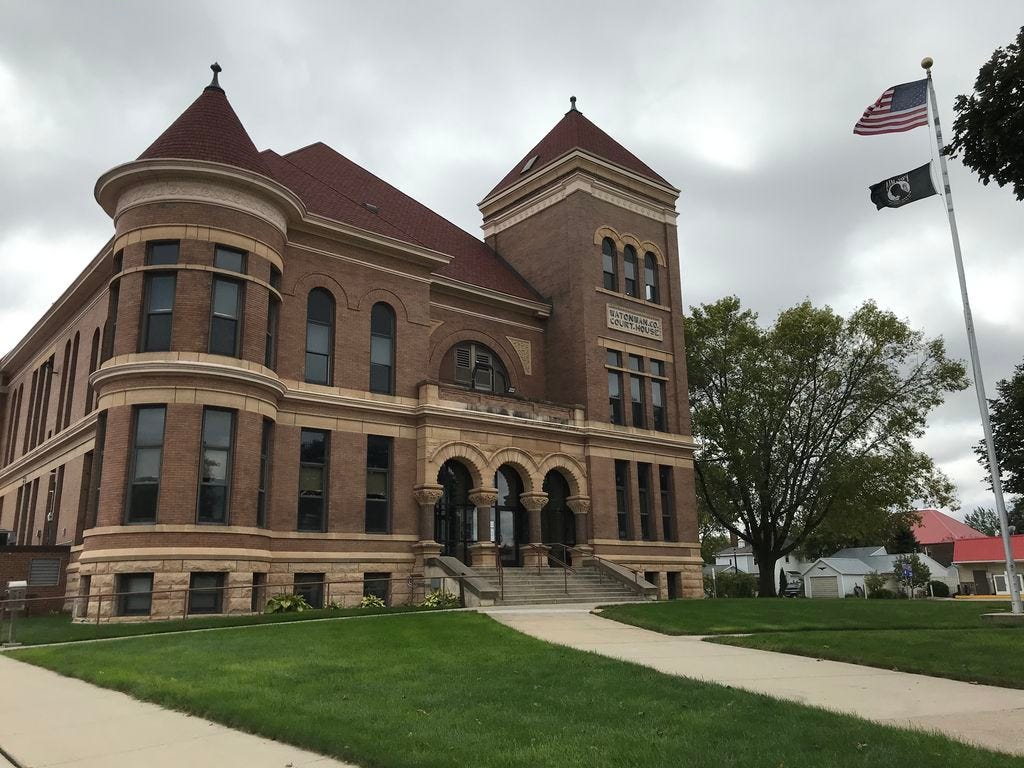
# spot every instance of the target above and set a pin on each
(343, 585)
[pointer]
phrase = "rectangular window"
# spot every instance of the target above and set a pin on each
(225, 313)
(275, 278)
(206, 593)
(643, 481)
(378, 483)
(608, 258)
(134, 594)
(658, 409)
(215, 465)
(636, 395)
(614, 359)
(629, 276)
(162, 254)
(376, 585)
(270, 350)
(229, 259)
(622, 497)
(311, 587)
(147, 454)
(259, 592)
(263, 489)
(158, 308)
(667, 508)
(313, 452)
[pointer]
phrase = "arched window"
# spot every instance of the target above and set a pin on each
(319, 336)
(651, 278)
(477, 367)
(382, 349)
(94, 361)
(629, 271)
(454, 515)
(609, 258)
(72, 369)
(558, 524)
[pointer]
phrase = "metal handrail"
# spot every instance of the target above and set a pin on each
(566, 568)
(634, 571)
(500, 568)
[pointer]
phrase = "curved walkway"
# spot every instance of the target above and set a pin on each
(979, 714)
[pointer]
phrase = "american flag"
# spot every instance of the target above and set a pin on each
(900, 108)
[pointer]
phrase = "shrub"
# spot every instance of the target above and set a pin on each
(287, 604)
(371, 601)
(882, 594)
(737, 584)
(939, 588)
(875, 583)
(440, 598)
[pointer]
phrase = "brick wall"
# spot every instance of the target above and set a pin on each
(14, 566)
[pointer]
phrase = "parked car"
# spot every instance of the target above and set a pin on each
(794, 586)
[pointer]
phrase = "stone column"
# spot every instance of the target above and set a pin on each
(580, 506)
(426, 496)
(482, 553)
(534, 552)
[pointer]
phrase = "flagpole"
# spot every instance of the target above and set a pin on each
(972, 342)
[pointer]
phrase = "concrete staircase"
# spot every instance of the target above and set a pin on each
(525, 586)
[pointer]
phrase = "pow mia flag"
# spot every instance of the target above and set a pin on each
(905, 188)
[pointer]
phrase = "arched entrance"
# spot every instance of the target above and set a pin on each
(454, 518)
(557, 522)
(509, 519)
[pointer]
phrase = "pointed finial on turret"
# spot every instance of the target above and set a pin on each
(572, 103)
(216, 71)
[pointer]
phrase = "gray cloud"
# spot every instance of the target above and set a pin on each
(747, 106)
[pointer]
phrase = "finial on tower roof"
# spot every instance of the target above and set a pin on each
(572, 103)
(216, 71)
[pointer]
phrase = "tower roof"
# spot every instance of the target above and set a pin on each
(208, 130)
(575, 131)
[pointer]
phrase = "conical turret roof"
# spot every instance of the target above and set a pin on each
(208, 130)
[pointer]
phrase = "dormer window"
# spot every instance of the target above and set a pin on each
(477, 367)
(528, 164)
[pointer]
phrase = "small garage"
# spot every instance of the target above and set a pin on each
(823, 586)
(832, 577)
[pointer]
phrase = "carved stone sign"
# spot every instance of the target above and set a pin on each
(632, 322)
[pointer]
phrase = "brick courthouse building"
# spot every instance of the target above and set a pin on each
(281, 367)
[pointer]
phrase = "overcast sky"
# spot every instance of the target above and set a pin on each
(748, 107)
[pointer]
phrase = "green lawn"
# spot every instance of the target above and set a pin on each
(58, 627)
(458, 689)
(732, 616)
(994, 656)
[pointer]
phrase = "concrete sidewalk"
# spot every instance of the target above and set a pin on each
(979, 714)
(49, 720)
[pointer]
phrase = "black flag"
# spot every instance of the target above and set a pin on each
(905, 188)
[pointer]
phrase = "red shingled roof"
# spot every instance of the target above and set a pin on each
(937, 527)
(208, 130)
(574, 131)
(333, 186)
(987, 549)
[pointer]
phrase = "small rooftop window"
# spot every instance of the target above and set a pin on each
(529, 164)
(371, 207)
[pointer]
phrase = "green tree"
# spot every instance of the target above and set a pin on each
(920, 573)
(811, 419)
(713, 537)
(989, 126)
(985, 519)
(872, 527)
(902, 540)
(1006, 411)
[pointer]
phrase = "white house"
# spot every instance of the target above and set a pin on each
(840, 574)
(743, 560)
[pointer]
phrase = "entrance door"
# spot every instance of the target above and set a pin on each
(454, 515)
(557, 522)
(509, 517)
(981, 583)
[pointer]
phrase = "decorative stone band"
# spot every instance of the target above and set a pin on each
(580, 505)
(427, 494)
(483, 497)
(201, 233)
(533, 502)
